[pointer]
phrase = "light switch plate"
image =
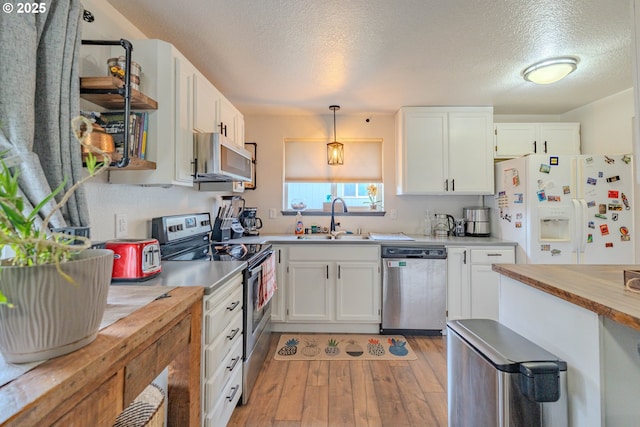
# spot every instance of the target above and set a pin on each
(122, 226)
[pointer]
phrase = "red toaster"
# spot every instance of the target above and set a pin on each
(134, 259)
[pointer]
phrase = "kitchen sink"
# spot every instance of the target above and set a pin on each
(331, 237)
(352, 237)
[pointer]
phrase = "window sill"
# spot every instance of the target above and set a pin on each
(318, 212)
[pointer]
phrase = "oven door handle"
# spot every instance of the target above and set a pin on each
(258, 268)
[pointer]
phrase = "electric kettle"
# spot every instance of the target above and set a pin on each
(445, 224)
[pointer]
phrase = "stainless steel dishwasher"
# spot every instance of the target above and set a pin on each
(414, 290)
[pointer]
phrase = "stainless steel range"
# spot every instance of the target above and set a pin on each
(187, 238)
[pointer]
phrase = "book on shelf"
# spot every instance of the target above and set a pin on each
(113, 123)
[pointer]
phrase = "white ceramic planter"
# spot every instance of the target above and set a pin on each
(51, 316)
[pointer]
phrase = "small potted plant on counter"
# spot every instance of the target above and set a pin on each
(53, 288)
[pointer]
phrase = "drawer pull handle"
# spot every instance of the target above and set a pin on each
(233, 305)
(494, 254)
(233, 334)
(233, 364)
(234, 390)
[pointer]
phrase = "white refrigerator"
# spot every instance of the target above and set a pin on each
(567, 209)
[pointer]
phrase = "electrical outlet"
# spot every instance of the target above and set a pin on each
(122, 226)
(272, 213)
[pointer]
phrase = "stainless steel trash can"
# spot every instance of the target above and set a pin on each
(499, 378)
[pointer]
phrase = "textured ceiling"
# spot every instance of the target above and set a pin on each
(374, 56)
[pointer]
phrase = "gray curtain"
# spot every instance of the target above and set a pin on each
(39, 95)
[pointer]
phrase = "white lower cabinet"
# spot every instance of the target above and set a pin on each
(472, 286)
(331, 285)
(222, 337)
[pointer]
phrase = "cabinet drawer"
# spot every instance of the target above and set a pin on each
(215, 353)
(220, 316)
(492, 256)
(227, 402)
(212, 300)
(215, 386)
(335, 252)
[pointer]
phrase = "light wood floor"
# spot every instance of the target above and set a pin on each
(351, 393)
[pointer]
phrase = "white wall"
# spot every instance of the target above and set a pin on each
(269, 133)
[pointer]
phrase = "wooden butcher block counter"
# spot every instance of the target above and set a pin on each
(91, 386)
(598, 288)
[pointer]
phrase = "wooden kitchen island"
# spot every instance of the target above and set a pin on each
(91, 386)
(585, 316)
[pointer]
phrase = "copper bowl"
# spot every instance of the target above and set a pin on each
(100, 139)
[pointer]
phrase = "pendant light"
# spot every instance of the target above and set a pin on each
(335, 149)
(550, 70)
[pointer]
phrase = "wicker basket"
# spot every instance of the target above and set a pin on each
(146, 410)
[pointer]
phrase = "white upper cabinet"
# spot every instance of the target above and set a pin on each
(519, 139)
(444, 150)
(188, 102)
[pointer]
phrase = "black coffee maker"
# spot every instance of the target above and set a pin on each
(250, 221)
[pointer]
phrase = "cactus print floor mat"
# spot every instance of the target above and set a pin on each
(343, 347)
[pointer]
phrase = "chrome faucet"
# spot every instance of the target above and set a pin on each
(332, 226)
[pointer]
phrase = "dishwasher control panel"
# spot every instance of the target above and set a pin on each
(422, 252)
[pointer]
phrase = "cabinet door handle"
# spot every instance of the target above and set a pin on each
(545, 147)
(464, 257)
(234, 390)
(339, 272)
(233, 364)
(233, 305)
(195, 167)
(279, 260)
(453, 185)
(446, 185)
(535, 149)
(327, 271)
(233, 334)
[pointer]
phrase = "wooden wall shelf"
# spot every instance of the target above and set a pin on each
(105, 92)
(134, 163)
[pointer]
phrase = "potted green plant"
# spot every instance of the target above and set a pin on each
(53, 288)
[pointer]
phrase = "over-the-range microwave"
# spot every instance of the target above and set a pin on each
(217, 158)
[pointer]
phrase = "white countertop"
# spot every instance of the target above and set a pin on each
(361, 239)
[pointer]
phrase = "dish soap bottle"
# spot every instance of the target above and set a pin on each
(299, 225)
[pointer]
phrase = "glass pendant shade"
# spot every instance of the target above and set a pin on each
(335, 149)
(335, 153)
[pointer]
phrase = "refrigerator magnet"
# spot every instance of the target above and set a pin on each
(553, 161)
(545, 168)
(601, 216)
(518, 224)
(545, 248)
(518, 198)
(553, 198)
(591, 224)
(626, 159)
(602, 208)
(542, 196)
(625, 201)
(589, 238)
(613, 194)
(592, 181)
(608, 245)
(614, 217)
(604, 229)
(588, 160)
(566, 189)
(591, 204)
(608, 160)
(613, 178)
(614, 206)
(600, 174)
(555, 252)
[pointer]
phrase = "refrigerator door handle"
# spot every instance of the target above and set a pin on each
(583, 218)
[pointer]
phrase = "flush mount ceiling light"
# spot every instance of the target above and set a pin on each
(335, 149)
(550, 70)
